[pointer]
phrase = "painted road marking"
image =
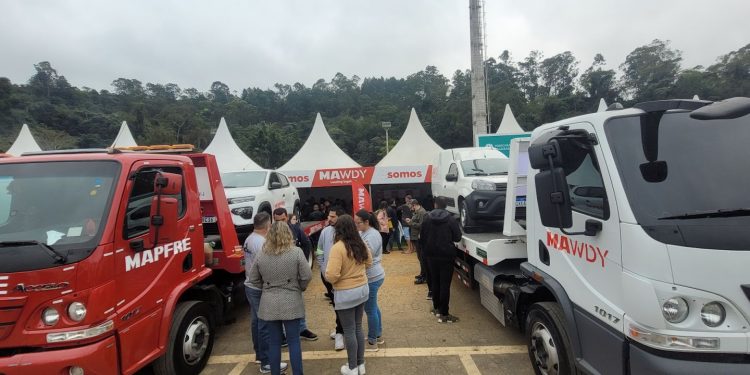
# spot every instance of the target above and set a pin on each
(469, 365)
(237, 370)
(384, 353)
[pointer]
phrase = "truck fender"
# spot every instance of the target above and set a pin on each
(170, 303)
(561, 297)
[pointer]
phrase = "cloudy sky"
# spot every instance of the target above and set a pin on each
(258, 43)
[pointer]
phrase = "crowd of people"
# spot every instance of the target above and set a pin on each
(349, 253)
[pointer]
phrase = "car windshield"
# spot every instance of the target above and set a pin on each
(244, 179)
(485, 167)
(60, 204)
(703, 183)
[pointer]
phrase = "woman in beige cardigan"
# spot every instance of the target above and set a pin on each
(347, 262)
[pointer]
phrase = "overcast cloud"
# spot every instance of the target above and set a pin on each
(259, 43)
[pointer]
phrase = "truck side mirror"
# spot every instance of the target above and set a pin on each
(553, 198)
(451, 177)
(540, 152)
(165, 207)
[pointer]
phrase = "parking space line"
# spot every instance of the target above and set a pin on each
(237, 370)
(388, 353)
(469, 365)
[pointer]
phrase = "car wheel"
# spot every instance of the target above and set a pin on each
(548, 341)
(467, 224)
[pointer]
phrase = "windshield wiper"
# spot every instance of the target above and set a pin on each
(498, 173)
(709, 214)
(229, 187)
(56, 255)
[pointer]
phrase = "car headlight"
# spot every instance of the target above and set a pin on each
(483, 185)
(50, 316)
(241, 199)
(713, 314)
(77, 311)
(675, 310)
(243, 212)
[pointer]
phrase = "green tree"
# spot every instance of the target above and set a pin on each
(650, 71)
(599, 83)
(558, 74)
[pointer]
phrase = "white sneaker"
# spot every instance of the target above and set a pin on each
(361, 369)
(333, 334)
(267, 368)
(345, 370)
(339, 342)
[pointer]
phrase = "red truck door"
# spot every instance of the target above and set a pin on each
(146, 274)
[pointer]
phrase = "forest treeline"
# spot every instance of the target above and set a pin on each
(270, 125)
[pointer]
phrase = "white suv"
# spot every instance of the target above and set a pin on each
(250, 192)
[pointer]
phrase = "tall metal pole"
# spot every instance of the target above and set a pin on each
(386, 125)
(479, 106)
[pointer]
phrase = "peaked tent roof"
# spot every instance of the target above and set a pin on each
(319, 152)
(509, 125)
(696, 97)
(24, 143)
(602, 105)
(124, 137)
(414, 148)
(229, 156)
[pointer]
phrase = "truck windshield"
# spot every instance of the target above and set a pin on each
(703, 200)
(52, 213)
(485, 167)
(244, 179)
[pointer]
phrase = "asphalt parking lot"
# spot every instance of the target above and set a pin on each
(415, 343)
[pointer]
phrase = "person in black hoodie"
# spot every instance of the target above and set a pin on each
(439, 233)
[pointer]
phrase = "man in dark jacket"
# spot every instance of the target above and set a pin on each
(439, 233)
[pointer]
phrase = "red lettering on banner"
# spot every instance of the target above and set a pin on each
(299, 178)
(342, 176)
(404, 174)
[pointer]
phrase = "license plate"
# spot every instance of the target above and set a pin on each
(209, 219)
(521, 202)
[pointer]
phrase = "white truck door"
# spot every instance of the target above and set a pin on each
(588, 267)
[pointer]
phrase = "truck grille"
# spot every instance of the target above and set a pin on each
(500, 186)
(10, 310)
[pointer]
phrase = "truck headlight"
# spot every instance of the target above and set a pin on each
(77, 311)
(243, 212)
(483, 185)
(713, 314)
(675, 310)
(241, 199)
(50, 316)
(666, 341)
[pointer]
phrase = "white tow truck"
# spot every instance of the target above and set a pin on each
(634, 255)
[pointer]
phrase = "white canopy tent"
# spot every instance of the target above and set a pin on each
(319, 152)
(602, 105)
(24, 143)
(229, 156)
(414, 148)
(509, 125)
(124, 137)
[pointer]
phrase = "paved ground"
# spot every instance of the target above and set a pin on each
(415, 342)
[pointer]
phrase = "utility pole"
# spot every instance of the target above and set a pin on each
(479, 104)
(386, 125)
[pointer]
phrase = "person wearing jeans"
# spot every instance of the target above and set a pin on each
(375, 277)
(346, 270)
(281, 271)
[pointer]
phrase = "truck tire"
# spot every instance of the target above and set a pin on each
(467, 224)
(191, 339)
(548, 340)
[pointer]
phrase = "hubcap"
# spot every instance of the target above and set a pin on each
(195, 342)
(544, 350)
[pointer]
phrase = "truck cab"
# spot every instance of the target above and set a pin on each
(473, 181)
(103, 267)
(636, 243)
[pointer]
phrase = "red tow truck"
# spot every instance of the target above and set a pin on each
(104, 262)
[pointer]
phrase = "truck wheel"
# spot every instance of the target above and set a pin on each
(467, 224)
(191, 339)
(548, 341)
